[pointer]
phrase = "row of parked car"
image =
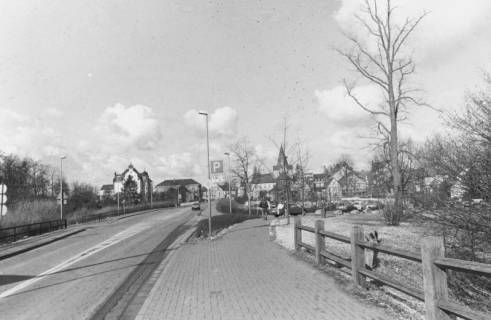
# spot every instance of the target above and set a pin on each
(297, 208)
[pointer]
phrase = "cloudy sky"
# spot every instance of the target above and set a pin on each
(112, 82)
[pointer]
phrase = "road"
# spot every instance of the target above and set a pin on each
(85, 276)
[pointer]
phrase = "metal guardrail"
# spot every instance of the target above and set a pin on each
(435, 293)
(14, 233)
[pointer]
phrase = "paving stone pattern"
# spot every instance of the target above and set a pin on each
(243, 275)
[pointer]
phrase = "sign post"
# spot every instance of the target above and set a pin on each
(3, 199)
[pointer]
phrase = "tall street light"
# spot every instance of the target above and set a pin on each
(61, 186)
(209, 172)
(229, 191)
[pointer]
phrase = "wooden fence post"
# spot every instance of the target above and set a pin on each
(357, 256)
(434, 278)
(320, 244)
(297, 233)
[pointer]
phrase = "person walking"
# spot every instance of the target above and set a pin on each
(264, 208)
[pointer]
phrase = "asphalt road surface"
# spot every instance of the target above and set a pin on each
(93, 274)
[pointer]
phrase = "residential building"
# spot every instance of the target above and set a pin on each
(352, 183)
(262, 185)
(186, 189)
(129, 182)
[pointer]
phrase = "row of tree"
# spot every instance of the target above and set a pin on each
(28, 180)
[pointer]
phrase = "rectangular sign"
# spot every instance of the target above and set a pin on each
(216, 166)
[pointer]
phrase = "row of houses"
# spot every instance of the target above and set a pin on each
(341, 181)
(138, 187)
(282, 182)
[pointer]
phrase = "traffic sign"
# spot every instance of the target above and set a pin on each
(3, 199)
(216, 166)
(208, 184)
(64, 198)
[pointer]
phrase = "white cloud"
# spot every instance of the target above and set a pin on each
(129, 127)
(450, 48)
(340, 108)
(53, 112)
(23, 135)
(267, 156)
(180, 165)
(447, 25)
(222, 121)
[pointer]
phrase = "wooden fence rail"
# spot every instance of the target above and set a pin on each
(432, 258)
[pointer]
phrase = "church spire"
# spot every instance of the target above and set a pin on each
(282, 157)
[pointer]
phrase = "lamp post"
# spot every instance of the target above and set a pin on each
(209, 173)
(229, 188)
(61, 186)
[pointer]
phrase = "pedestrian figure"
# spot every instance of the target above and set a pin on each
(264, 208)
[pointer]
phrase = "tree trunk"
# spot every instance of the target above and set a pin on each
(396, 171)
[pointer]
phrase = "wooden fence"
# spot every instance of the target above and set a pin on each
(432, 257)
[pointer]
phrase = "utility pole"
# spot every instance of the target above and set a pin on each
(209, 172)
(61, 186)
(229, 188)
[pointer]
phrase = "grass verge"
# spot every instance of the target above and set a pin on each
(219, 223)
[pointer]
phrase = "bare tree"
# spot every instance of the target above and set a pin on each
(302, 161)
(388, 68)
(244, 159)
(475, 121)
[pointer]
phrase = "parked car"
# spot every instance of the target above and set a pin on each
(279, 210)
(309, 206)
(330, 206)
(295, 209)
(359, 206)
(195, 206)
(346, 207)
(374, 205)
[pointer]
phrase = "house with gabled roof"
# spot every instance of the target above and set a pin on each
(139, 183)
(262, 185)
(188, 189)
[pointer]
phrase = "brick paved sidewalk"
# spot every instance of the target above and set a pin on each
(245, 276)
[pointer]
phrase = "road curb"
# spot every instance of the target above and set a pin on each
(4, 256)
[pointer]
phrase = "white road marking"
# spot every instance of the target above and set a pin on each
(125, 234)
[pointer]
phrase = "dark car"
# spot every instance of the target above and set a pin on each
(330, 206)
(346, 207)
(309, 206)
(295, 209)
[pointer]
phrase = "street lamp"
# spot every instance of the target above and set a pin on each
(209, 173)
(61, 186)
(229, 191)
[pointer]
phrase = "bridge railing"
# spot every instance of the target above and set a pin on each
(14, 233)
(432, 258)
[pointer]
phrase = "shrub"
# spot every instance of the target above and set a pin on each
(391, 217)
(223, 206)
(466, 231)
(30, 211)
(220, 222)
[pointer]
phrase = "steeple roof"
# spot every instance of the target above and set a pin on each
(282, 156)
(282, 162)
